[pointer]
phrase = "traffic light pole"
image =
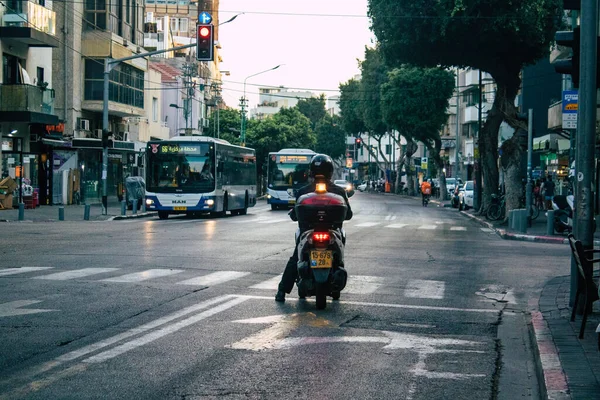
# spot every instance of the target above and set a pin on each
(109, 64)
(586, 126)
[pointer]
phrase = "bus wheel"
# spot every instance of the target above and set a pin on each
(163, 215)
(274, 207)
(244, 210)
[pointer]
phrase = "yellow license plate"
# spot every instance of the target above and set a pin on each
(291, 201)
(321, 258)
(179, 208)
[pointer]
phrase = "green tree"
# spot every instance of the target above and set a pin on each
(351, 111)
(313, 108)
(414, 101)
(331, 138)
(496, 36)
(228, 126)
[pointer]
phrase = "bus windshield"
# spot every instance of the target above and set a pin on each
(283, 176)
(174, 172)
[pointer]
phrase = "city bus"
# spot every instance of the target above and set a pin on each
(198, 174)
(287, 171)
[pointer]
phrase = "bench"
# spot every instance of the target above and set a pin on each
(586, 287)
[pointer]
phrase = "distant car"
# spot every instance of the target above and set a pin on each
(347, 186)
(362, 187)
(465, 197)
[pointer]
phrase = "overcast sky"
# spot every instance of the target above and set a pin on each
(319, 52)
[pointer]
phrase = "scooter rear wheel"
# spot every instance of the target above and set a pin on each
(320, 296)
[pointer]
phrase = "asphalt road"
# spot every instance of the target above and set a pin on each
(183, 309)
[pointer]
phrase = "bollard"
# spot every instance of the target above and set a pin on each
(511, 219)
(522, 220)
(61, 213)
(143, 205)
(123, 207)
(550, 222)
(134, 203)
(21, 211)
(86, 212)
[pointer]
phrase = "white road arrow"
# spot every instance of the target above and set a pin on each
(13, 308)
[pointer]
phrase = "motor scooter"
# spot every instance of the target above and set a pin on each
(563, 212)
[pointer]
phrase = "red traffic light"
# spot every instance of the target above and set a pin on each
(204, 32)
(358, 140)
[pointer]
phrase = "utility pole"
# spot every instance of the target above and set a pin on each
(189, 72)
(529, 186)
(478, 180)
(243, 102)
(457, 124)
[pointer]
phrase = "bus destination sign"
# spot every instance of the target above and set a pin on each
(300, 159)
(180, 149)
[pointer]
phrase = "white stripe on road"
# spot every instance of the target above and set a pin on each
(396, 226)
(167, 330)
(367, 224)
(269, 284)
(363, 284)
(22, 270)
(487, 230)
(74, 274)
(214, 279)
(73, 355)
(428, 227)
(425, 289)
(458, 228)
(273, 221)
(144, 275)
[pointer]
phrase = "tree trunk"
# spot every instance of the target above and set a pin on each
(440, 167)
(399, 165)
(411, 148)
(512, 153)
(507, 84)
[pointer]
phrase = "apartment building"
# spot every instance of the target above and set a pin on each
(272, 99)
(27, 95)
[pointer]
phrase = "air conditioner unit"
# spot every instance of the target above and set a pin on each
(84, 124)
(97, 134)
(125, 136)
(79, 134)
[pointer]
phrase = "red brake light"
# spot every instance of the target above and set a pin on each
(321, 237)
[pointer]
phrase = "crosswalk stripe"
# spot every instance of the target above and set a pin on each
(396, 226)
(367, 224)
(363, 284)
(144, 275)
(487, 230)
(428, 227)
(77, 273)
(458, 228)
(269, 284)
(22, 270)
(214, 279)
(425, 289)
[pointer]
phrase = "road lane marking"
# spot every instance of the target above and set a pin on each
(75, 354)
(273, 221)
(74, 274)
(159, 333)
(269, 284)
(363, 284)
(21, 270)
(428, 227)
(388, 305)
(144, 275)
(367, 224)
(13, 308)
(214, 279)
(425, 289)
(396, 226)
(487, 230)
(458, 228)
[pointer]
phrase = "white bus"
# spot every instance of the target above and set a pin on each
(287, 171)
(199, 174)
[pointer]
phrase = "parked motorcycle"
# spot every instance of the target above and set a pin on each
(563, 212)
(321, 271)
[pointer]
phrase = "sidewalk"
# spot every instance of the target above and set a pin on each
(72, 212)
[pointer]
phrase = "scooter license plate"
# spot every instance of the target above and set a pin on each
(321, 258)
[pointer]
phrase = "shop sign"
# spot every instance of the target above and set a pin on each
(116, 156)
(7, 145)
(60, 128)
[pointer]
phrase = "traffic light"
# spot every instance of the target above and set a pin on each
(569, 66)
(358, 142)
(205, 42)
(106, 138)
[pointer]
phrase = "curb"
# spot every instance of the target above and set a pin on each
(551, 377)
(133, 216)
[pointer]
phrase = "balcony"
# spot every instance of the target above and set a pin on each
(30, 23)
(27, 103)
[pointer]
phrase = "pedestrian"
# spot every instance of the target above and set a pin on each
(548, 188)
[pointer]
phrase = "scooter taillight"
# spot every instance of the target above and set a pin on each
(321, 237)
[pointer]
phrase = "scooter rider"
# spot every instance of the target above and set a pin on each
(321, 165)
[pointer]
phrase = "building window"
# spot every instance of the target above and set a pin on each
(388, 149)
(154, 109)
(126, 83)
(179, 25)
(95, 14)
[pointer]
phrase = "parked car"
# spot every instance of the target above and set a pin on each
(465, 197)
(455, 196)
(362, 187)
(347, 186)
(451, 184)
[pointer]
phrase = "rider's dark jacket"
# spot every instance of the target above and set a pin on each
(310, 188)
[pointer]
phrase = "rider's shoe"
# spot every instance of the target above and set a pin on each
(280, 296)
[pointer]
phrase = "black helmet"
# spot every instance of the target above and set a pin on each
(321, 164)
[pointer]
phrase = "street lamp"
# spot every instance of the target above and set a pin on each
(243, 105)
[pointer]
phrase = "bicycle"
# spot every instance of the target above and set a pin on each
(497, 210)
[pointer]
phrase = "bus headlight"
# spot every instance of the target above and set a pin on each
(268, 196)
(149, 202)
(210, 202)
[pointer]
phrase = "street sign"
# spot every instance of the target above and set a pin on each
(204, 18)
(569, 109)
(423, 162)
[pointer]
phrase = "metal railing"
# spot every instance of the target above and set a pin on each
(28, 14)
(24, 97)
